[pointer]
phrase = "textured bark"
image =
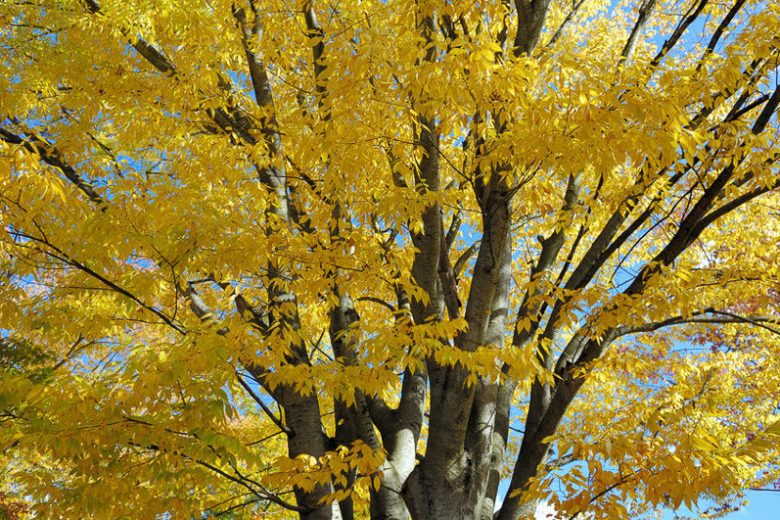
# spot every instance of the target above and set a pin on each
(352, 422)
(486, 436)
(302, 416)
(531, 15)
(453, 478)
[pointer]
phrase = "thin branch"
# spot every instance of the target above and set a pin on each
(645, 10)
(706, 316)
(262, 494)
(737, 202)
(565, 23)
(264, 406)
(758, 321)
(682, 26)
(152, 55)
(623, 480)
(559, 462)
(235, 507)
(463, 259)
(316, 35)
(719, 32)
(51, 156)
(766, 114)
(65, 258)
(739, 109)
(378, 301)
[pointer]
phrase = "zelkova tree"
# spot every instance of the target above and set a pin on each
(388, 258)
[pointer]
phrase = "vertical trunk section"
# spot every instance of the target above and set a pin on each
(484, 442)
(302, 416)
(453, 479)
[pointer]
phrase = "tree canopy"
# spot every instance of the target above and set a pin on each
(388, 258)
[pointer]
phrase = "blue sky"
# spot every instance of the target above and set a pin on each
(762, 505)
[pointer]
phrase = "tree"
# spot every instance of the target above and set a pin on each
(390, 257)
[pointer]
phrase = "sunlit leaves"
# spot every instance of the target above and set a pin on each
(152, 308)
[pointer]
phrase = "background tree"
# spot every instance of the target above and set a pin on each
(390, 257)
